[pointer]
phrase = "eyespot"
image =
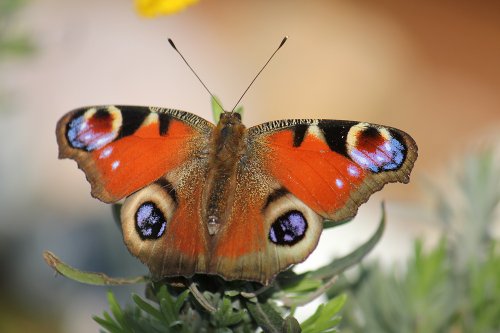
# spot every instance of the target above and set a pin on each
(94, 128)
(150, 223)
(288, 229)
(375, 148)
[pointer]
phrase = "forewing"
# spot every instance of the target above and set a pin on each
(334, 166)
(124, 148)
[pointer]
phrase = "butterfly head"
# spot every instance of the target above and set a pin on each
(229, 133)
(229, 118)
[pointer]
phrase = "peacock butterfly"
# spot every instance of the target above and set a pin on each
(241, 203)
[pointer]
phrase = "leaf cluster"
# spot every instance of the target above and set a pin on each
(166, 310)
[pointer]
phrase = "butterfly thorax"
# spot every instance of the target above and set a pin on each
(228, 145)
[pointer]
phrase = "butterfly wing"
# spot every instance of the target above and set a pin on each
(334, 166)
(158, 159)
(162, 223)
(124, 148)
(296, 174)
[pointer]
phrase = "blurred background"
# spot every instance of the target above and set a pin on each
(429, 68)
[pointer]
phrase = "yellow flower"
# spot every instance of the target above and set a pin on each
(150, 8)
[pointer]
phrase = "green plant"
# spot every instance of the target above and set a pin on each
(164, 312)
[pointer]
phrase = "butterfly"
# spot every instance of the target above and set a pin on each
(241, 203)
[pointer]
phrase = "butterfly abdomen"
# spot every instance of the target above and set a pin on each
(228, 145)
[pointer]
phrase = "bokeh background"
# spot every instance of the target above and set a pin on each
(429, 68)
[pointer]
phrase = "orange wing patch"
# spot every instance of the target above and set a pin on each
(137, 160)
(186, 229)
(320, 177)
(244, 234)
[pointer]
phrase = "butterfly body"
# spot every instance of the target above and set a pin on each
(242, 203)
(226, 151)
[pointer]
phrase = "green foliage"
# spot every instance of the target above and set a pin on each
(453, 287)
(12, 42)
(165, 312)
(163, 316)
(326, 317)
(482, 311)
(419, 302)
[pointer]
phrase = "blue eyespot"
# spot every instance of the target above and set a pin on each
(288, 229)
(397, 150)
(91, 133)
(150, 222)
(386, 156)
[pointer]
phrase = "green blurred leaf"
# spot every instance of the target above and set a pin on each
(115, 309)
(116, 211)
(340, 265)
(291, 325)
(392, 304)
(10, 7)
(167, 309)
(108, 324)
(17, 46)
(148, 308)
(326, 317)
(181, 299)
(217, 109)
(13, 43)
(305, 284)
(484, 294)
(266, 316)
(226, 316)
(231, 293)
(98, 279)
(328, 224)
(118, 323)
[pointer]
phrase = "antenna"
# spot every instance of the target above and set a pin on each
(192, 70)
(272, 55)
(255, 78)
